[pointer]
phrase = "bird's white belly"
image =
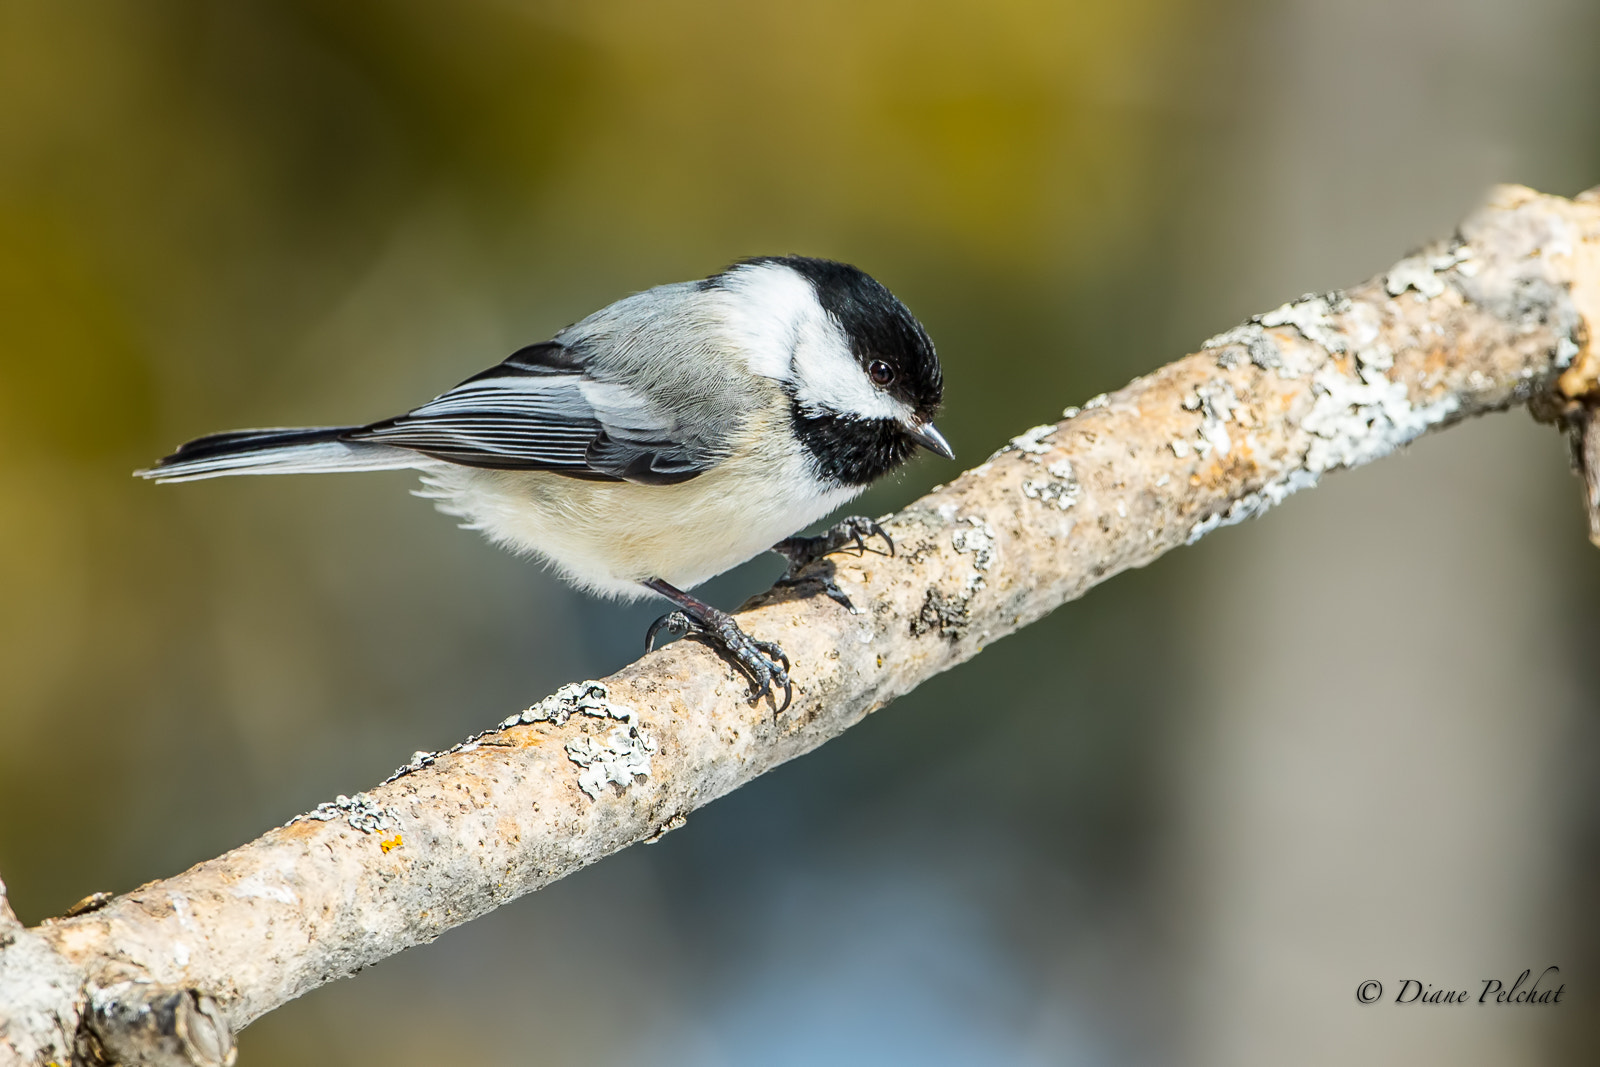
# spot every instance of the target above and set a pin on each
(607, 537)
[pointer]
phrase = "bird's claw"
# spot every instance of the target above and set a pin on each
(856, 529)
(675, 623)
(764, 661)
(851, 532)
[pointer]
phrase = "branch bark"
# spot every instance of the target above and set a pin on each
(1505, 312)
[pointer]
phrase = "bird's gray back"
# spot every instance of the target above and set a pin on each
(669, 345)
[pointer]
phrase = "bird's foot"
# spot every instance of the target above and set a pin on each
(852, 533)
(764, 661)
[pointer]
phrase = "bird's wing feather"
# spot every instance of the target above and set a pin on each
(539, 410)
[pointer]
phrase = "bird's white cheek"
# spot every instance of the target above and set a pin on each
(771, 316)
(828, 379)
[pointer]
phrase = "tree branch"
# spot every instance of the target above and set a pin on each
(1503, 313)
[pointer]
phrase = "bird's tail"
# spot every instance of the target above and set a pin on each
(311, 450)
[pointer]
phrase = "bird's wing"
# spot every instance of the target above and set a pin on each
(539, 410)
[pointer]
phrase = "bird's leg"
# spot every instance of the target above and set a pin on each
(846, 533)
(764, 661)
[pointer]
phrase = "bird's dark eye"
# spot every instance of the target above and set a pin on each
(880, 372)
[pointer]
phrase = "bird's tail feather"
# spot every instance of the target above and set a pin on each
(310, 450)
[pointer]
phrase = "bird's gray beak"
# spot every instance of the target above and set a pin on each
(926, 435)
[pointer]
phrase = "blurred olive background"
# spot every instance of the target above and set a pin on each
(1176, 822)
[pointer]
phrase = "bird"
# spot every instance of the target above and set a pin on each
(662, 440)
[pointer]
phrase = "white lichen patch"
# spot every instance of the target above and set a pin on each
(1421, 272)
(1312, 315)
(624, 754)
(1029, 442)
(575, 698)
(1414, 273)
(1262, 349)
(1353, 420)
(979, 540)
(1566, 351)
(419, 759)
(585, 698)
(949, 613)
(1216, 402)
(360, 811)
(1060, 489)
(621, 757)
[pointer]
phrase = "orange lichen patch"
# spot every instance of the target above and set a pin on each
(1235, 469)
(527, 736)
(391, 844)
(1582, 379)
(1211, 475)
(301, 829)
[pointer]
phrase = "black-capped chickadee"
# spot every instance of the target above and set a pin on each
(662, 440)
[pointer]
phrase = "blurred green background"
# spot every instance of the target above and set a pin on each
(1178, 821)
